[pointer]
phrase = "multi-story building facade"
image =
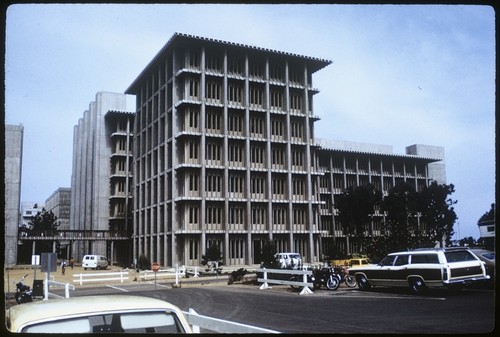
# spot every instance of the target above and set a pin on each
(59, 203)
(225, 154)
(12, 170)
(350, 164)
(101, 179)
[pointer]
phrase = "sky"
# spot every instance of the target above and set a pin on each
(401, 75)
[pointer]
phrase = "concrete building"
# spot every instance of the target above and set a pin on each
(350, 164)
(100, 178)
(225, 154)
(12, 169)
(29, 210)
(59, 203)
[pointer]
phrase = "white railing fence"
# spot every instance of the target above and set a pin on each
(265, 280)
(49, 283)
(212, 324)
(98, 277)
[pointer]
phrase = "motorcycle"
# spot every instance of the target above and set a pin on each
(24, 293)
(342, 273)
(326, 277)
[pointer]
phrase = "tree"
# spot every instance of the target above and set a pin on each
(212, 258)
(268, 253)
(437, 212)
(400, 206)
(356, 206)
(44, 224)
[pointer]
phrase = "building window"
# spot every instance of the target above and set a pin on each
(297, 131)
(278, 158)
(192, 117)
(213, 62)
(192, 150)
(235, 153)
(193, 89)
(256, 97)
(213, 151)
(276, 73)
(258, 217)
(257, 69)
(235, 124)
(279, 217)
(236, 185)
(236, 216)
(212, 122)
(213, 217)
(192, 59)
(276, 99)
(213, 93)
(257, 186)
(235, 94)
(256, 127)
(296, 102)
(277, 129)
(235, 66)
(213, 183)
(193, 182)
(297, 159)
(193, 214)
(257, 155)
(278, 187)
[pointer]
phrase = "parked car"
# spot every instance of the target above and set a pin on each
(97, 314)
(94, 262)
(488, 257)
(350, 263)
(289, 260)
(423, 268)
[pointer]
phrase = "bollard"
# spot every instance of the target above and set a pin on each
(66, 290)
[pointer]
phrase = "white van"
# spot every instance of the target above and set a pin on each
(287, 260)
(94, 262)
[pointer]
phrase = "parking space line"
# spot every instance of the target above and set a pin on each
(117, 288)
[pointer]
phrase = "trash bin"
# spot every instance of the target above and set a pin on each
(38, 288)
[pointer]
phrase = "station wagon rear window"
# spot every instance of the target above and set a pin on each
(424, 258)
(459, 256)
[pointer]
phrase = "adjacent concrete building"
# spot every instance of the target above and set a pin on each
(13, 168)
(351, 164)
(100, 178)
(59, 203)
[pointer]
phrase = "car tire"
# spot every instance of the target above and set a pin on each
(417, 286)
(363, 283)
(350, 281)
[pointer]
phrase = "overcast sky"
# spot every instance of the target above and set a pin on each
(401, 75)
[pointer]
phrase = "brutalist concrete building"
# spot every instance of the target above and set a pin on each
(225, 154)
(13, 168)
(101, 179)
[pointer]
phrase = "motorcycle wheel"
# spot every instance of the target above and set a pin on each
(332, 283)
(350, 281)
(18, 298)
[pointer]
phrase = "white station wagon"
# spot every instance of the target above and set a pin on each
(97, 314)
(422, 268)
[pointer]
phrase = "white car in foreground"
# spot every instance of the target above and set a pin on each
(97, 314)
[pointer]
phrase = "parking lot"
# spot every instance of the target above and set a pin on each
(281, 308)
